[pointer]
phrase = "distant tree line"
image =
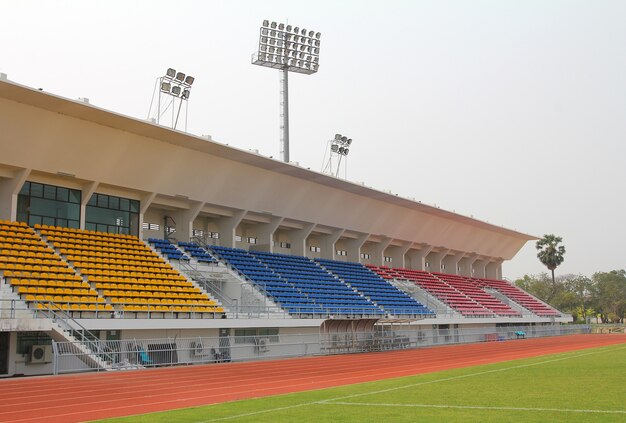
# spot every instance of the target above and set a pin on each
(602, 296)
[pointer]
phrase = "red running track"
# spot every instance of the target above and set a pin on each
(83, 397)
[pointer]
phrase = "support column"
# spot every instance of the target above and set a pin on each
(466, 264)
(297, 238)
(436, 259)
(353, 247)
(452, 263)
(9, 189)
(227, 226)
(493, 270)
(479, 267)
(86, 192)
(265, 235)
(397, 254)
(378, 252)
(144, 204)
(184, 220)
(329, 251)
(418, 257)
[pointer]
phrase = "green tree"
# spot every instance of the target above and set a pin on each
(580, 289)
(551, 253)
(541, 286)
(609, 295)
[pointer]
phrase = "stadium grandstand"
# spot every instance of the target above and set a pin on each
(119, 233)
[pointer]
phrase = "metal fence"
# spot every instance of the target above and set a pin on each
(99, 355)
(10, 308)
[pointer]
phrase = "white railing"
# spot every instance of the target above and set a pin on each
(144, 353)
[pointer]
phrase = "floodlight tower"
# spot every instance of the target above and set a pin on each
(289, 49)
(339, 147)
(178, 86)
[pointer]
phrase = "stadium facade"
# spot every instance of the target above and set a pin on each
(68, 164)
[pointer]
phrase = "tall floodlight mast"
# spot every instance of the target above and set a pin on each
(289, 49)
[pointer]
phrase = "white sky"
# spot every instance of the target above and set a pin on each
(510, 111)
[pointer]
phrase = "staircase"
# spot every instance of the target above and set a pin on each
(71, 338)
(64, 330)
(506, 300)
(238, 296)
(421, 295)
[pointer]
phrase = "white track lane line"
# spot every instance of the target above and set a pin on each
(479, 407)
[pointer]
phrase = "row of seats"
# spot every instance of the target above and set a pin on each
(147, 287)
(301, 285)
(84, 249)
(317, 285)
(474, 292)
(66, 306)
(170, 309)
(268, 281)
(197, 252)
(372, 286)
(468, 296)
(174, 284)
(450, 296)
(168, 249)
(43, 275)
(48, 282)
(518, 295)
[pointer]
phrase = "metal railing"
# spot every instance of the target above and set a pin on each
(145, 353)
(9, 308)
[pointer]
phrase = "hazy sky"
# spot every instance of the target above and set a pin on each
(510, 111)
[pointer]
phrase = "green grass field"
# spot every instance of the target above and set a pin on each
(581, 386)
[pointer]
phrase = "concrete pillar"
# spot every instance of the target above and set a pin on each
(226, 227)
(466, 264)
(436, 259)
(493, 270)
(265, 235)
(397, 254)
(184, 220)
(297, 238)
(353, 247)
(418, 257)
(378, 252)
(329, 251)
(479, 267)
(87, 191)
(144, 204)
(9, 189)
(452, 263)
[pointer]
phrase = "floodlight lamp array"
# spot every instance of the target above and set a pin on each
(284, 46)
(340, 145)
(176, 84)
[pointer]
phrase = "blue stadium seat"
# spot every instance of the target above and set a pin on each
(297, 283)
(168, 249)
(376, 289)
(197, 252)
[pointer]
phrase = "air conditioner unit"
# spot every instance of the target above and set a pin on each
(262, 344)
(197, 349)
(40, 354)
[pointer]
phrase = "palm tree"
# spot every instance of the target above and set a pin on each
(550, 252)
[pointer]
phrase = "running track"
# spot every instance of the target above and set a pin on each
(83, 397)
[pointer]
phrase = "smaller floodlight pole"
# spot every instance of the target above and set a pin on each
(288, 49)
(178, 86)
(339, 146)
